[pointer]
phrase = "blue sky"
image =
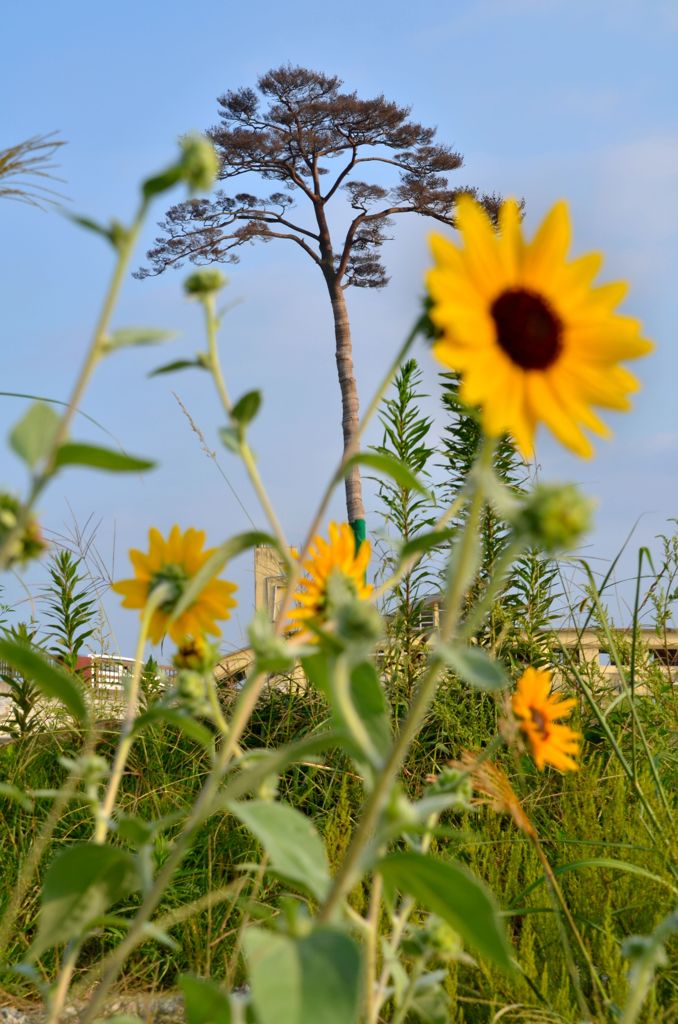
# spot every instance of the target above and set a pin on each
(544, 99)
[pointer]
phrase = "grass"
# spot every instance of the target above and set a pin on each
(581, 820)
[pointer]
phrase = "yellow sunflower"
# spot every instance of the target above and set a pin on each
(326, 558)
(539, 710)
(532, 339)
(175, 561)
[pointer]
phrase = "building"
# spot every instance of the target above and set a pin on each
(588, 646)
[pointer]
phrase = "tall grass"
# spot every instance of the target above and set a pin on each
(614, 877)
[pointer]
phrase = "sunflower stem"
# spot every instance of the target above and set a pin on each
(94, 354)
(423, 695)
(246, 453)
(157, 596)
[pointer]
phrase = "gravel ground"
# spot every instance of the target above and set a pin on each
(165, 1009)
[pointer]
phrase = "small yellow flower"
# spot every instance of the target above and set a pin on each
(338, 556)
(539, 710)
(175, 561)
(532, 339)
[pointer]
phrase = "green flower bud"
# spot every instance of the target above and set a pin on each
(554, 516)
(205, 281)
(444, 940)
(199, 163)
(272, 652)
(29, 542)
(268, 788)
(399, 810)
(454, 783)
(358, 623)
(90, 767)
(191, 689)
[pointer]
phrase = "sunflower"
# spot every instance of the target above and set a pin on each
(327, 560)
(176, 561)
(532, 339)
(539, 710)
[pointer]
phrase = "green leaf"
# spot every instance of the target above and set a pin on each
(453, 893)
(231, 438)
(424, 542)
(73, 454)
(80, 885)
(16, 795)
(601, 862)
(474, 666)
(255, 766)
(431, 1003)
(125, 337)
(271, 651)
(178, 364)
(367, 721)
(135, 830)
(116, 234)
(162, 182)
(215, 564)
(319, 668)
(246, 408)
(179, 720)
(32, 437)
(52, 681)
(294, 848)
(159, 935)
(205, 1001)
(388, 465)
(313, 980)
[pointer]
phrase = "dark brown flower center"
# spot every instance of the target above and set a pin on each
(528, 330)
(539, 721)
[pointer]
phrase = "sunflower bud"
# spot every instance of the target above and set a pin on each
(205, 282)
(191, 689)
(400, 811)
(90, 767)
(196, 654)
(453, 783)
(28, 542)
(444, 940)
(272, 652)
(199, 163)
(555, 516)
(358, 623)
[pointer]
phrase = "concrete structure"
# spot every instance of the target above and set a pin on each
(104, 674)
(269, 587)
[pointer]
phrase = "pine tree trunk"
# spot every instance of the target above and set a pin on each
(349, 404)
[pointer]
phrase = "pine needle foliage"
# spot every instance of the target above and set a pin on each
(460, 444)
(70, 610)
(406, 513)
(24, 715)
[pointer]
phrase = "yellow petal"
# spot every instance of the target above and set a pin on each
(156, 549)
(481, 250)
(141, 564)
(549, 247)
(134, 592)
(510, 245)
(547, 407)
